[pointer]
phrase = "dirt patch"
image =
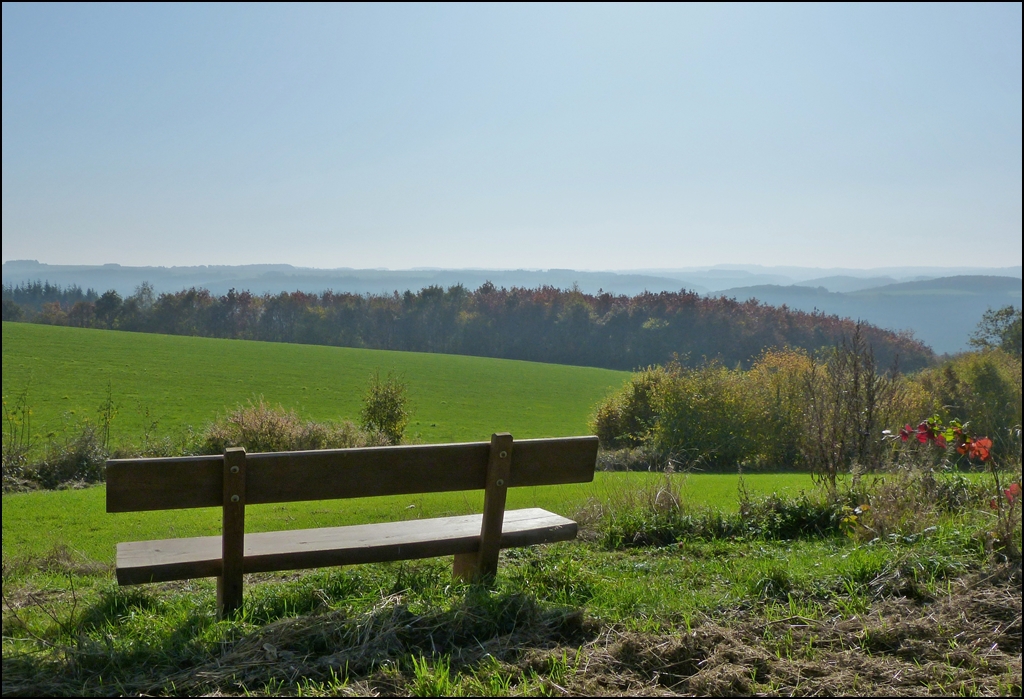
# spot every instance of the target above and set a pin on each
(967, 642)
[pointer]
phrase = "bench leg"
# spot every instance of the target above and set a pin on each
(465, 566)
(229, 584)
(482, 566)
(229, 595)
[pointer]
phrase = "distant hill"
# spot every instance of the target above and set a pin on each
(940, 312)
(941, 306)
(273, 279)
(723, 277)
(844, 283)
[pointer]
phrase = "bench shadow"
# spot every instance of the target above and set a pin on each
(324, 629)
(480, 625)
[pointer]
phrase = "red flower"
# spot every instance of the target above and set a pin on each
(1012, 493)
(906, 432)
(979, 449)
(925, 432)
(940, 440)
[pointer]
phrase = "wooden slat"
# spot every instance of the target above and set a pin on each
(553, 461)
(356, 473)
(135, 485)
(181, 559)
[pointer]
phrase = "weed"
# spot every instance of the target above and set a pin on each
(17, 439)
(433, 681)
(659, 515)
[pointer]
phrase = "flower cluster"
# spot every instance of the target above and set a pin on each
(932, 430)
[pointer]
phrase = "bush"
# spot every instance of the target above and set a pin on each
(79, 459)
(775, 388)
(848, 403)
(708, 417)
(638, 459)
(259, 427)
(385, 407)
(625, 419)
(787, 411)
(704, 418)
(783, 517)
(981, 387)
(658, 515)
(17, 439)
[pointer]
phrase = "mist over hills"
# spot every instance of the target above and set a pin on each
(941, 312)
(273, 279)
(841, 279)
(940, 305)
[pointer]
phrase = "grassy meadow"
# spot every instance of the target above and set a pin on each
(34, 522)
(920, 613)
(678, 584)
(178, 382)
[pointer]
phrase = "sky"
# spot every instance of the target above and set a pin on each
(502, 136)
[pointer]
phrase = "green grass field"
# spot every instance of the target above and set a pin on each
(35, 522)
(922, 614)
(927, 609)
(184, 381)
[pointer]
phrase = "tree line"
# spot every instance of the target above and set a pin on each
(544, 324)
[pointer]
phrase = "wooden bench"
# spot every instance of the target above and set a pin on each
(236, 479)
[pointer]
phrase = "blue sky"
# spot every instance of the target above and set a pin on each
(586, 137)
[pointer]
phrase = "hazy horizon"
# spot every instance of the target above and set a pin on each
(628, 270)
(588, 137)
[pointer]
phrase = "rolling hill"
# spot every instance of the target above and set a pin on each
(178, 382)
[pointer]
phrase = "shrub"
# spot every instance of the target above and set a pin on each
(775, 388)
(659, 515)
(982, 387)
(783, 517)
(847, 405)
(17, 439)
(714, 417)
(385, 407)
(78, 459)
(259, 427)
(704, 418)
(625, 419)
(787, 411)
(638, 459)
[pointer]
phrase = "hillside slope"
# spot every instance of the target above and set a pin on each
(180, 381)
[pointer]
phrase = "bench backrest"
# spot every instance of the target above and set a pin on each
(135, 485)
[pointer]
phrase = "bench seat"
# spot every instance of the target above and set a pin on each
(164, 560)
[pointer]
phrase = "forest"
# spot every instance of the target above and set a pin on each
(545, 324)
